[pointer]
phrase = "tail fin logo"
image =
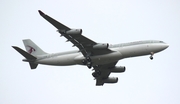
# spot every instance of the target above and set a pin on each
(31, 49)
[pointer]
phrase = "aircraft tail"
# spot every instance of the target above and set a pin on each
(31, 53)
(29, 58)
(32, 48)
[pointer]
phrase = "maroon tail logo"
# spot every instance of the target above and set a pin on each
(31, 49)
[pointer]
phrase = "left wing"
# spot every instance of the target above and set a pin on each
(85, 45)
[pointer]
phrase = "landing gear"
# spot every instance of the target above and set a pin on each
(84, 62)
(88, 59)
(151, 57)
(89, 65)
(96, 74)
(87, 62)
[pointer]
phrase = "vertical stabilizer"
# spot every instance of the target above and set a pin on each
(32, 48)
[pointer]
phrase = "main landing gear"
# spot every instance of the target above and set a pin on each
(96, 74)
(87, 62)
(151, 57)
(89, 65)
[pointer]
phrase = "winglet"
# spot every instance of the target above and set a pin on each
(41, 13)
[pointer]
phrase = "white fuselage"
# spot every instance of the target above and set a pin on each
(120, 51)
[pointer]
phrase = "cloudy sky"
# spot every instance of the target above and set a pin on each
(117, 21)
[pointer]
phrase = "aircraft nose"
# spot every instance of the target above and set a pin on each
(164, 46)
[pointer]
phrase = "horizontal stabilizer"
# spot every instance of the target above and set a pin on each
(24, 53)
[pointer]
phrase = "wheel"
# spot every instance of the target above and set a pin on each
(88, 59)
(89, 65)
(151, 57)
(84, 62)
(96, 74)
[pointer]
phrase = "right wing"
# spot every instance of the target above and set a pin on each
(84, 44)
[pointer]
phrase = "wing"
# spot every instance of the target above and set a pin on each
(105, 71)
(84, 44)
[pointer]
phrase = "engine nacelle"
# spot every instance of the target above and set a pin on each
(118, 69)
(74, 32)
(101, 46)
(111, 80)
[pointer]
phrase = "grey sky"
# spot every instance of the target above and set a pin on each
(115, 21)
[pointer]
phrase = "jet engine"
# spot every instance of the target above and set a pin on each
(101, 46)
(118, 69)
(74, 32)
(111, 80)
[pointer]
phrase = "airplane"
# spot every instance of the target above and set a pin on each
(102, 57)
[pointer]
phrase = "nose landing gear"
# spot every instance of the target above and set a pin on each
(151, 57)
